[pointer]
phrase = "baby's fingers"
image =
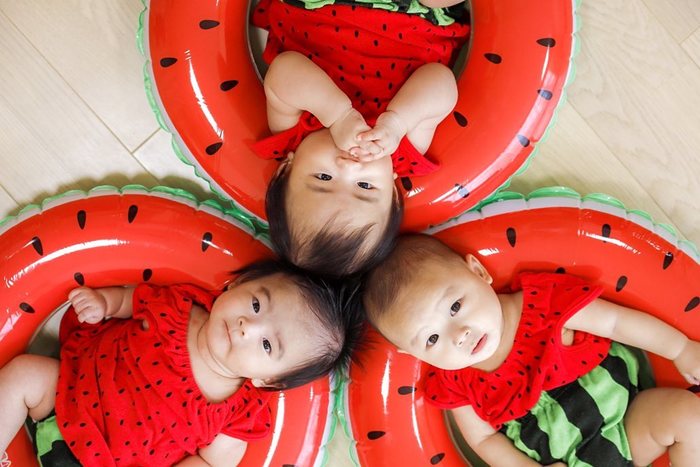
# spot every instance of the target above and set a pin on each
(691, 379)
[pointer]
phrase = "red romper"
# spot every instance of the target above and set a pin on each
(368, 53)
(127, 396)
(538, 360)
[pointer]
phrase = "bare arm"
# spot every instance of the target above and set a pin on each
(94, 305)
(439, 3)
(639, 329)
(492, 446)
(223, 451)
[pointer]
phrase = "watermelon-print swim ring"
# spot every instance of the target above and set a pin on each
(205, 90)
(109, 237)
(640, 264)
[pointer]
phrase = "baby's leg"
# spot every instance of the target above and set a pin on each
(27, 387)
(664, 418)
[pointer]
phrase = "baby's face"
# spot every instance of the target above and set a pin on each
(325, 182)
(254, 329)
(448, 316)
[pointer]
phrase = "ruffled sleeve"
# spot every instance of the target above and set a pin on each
(250, 413)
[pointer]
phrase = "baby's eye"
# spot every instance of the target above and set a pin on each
(256, 305)
(365, 185)
(432, 340)
(455, 308)
(324, 177)
(267, 347)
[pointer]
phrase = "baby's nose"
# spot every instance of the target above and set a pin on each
(346, 160)
(462, 336)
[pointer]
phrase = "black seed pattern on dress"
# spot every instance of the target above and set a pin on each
(168, 61)
(460, 119)
(695, 301)
(82, 217)
(206, 240)
(544, 94)
(79, 278)
(524, 141)
(406, 183)
(606, 230)
(147, 274)
(133, 210)
(26, 307)
(511, 236)
(668, 259)
(208, 24)
(560, 270)
(621, 283)
(213, 148)
(547, 42)
(405, 390)
(437, 458)
(228, 85)
(36, 243)
(493, 58)
(372, 435)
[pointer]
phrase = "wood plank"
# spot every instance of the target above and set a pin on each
(637, 89)
(679, 17)
(92, 46)
(692, 46)
(50, 141)
(8, 206)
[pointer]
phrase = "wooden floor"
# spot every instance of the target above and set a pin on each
(73, 112)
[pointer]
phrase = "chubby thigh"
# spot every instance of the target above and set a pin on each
(582, 423)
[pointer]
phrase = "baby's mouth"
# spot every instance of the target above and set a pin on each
(480, 344)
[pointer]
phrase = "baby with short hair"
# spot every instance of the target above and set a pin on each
(156, 375)
(538, 375)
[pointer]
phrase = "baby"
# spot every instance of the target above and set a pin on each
(350, 84)
(536, 376)
(154, 375)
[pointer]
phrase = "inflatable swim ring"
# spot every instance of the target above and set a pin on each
(204, 89)
(640, 264)
(111, 236)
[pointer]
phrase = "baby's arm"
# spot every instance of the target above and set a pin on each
(418, 107)
(492, 446)
(294, 84)
(224, 450)
(439, 3)
(639, 329)
(94, 305)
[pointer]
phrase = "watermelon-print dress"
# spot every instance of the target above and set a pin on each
(369, 53)
(555, 402)
(127, 396)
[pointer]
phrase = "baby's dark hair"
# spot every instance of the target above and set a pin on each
(334, 251)
(382, 285)
(332, 304)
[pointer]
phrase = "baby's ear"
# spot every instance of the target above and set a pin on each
(477, 268)
(260, 383)
(401, 351)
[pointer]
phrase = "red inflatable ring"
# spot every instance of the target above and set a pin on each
(111, 236)
(206, 92)
(641, 265)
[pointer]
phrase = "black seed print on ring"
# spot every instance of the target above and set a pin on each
(493, 58)
(228, 85)
(406, 183)
(547, 42)
(461, 190)
(460, 119)
(79, 278)
(668, 259)
(133, 210)
(213, 148)
(511, 236)
(437, 458)
(26, 307)
(147, 274)
(206, 240)
(82, 217)
(168, 61)
(621, 283)
(405, 390)
(372, 435)
(606, 230)
(524, 141)
(208, 24)
(560, 270)
(694, 302)
(36, 243)
(545, 94)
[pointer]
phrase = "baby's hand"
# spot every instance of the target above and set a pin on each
(89, 305)
(345, 131)
(688, 362)
(386, 135)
